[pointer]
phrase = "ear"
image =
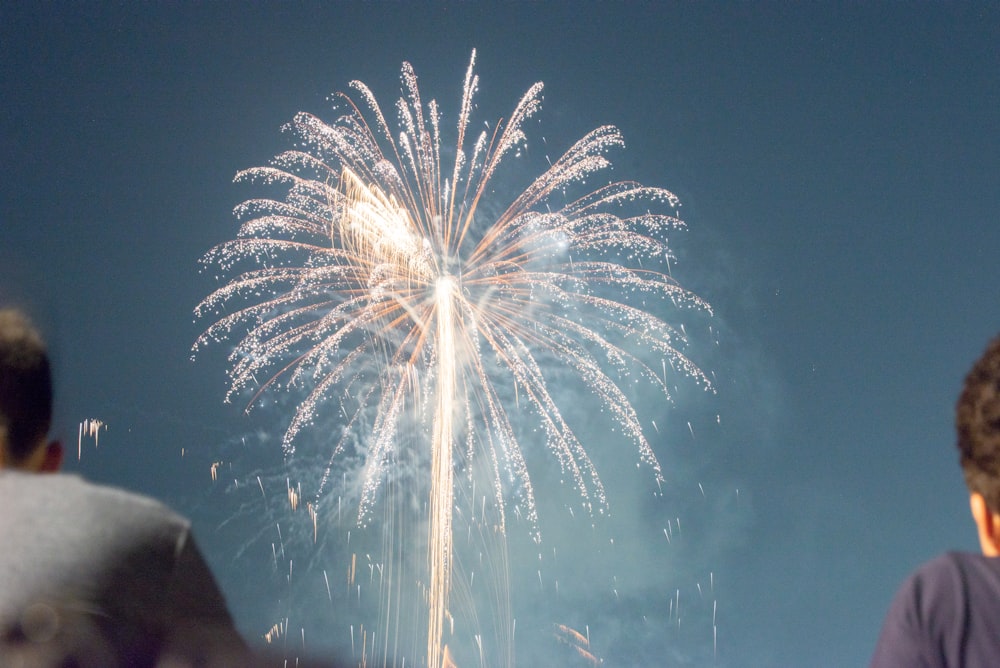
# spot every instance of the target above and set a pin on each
(53, 457)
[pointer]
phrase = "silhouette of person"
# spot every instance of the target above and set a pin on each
(90, 575)
(947, 613)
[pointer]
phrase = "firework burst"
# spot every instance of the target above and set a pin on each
(380, 288)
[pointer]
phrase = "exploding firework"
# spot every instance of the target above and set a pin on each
(390, 287)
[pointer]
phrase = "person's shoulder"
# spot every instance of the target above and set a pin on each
(69, 491)
(944, 601)
(132, 502)
(951, 579)
(946, 562)
(40, 485)
(958, 564)
(947, 566)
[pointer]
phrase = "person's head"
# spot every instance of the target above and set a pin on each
(25, 396)
(977, 420)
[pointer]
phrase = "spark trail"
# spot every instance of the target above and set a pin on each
(377, 275)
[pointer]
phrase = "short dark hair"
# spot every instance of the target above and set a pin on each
(25, 384)
(977, 419)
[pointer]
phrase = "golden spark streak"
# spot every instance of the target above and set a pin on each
(442, 467)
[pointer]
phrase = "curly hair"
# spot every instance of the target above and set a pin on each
(25, 385)
(977, 420)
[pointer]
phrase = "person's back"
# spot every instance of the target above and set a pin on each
(90, 575)
(947, 613)
(125, 562)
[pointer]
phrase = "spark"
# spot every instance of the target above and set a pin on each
(381, 269)
(276, 631)
(314, 515)
(90, 427)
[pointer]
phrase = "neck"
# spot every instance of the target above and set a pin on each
(45, 458)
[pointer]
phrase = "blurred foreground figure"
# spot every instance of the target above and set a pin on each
(948, 612)
(90, 575)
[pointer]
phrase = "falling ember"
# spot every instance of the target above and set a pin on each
(276, 632)
(313, 515)
(382, 254)
(580, 643)
(90, 427)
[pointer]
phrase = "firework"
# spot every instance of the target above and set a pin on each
(391, 287)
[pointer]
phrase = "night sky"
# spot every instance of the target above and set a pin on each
(839, 172)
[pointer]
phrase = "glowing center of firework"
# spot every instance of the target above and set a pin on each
(444, 290)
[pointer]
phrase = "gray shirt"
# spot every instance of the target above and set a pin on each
(97, 571)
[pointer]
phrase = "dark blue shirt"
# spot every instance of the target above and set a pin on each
(946, 614)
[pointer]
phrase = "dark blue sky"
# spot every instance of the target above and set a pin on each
(839, 170)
